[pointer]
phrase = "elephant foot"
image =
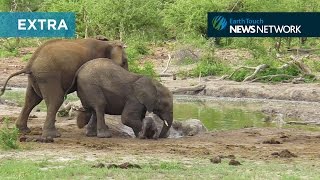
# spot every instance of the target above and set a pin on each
(23, 129)
(104, 133)
(91, 132)
(50, 133)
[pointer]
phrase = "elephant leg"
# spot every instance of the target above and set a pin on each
(53, 94)
(103, 130)
(91, 129)
(53, 105)
(31, 100)
(132, 116)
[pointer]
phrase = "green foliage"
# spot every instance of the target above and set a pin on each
(147, 69)
(8, 136)
(9, 47)
(114, 19)
(6, 53)
(210, 67)
(26, 57)
(291, 71)
(184, 17)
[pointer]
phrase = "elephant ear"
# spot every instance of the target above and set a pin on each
(146, 93)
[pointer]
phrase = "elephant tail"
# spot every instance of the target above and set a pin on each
(12, 75)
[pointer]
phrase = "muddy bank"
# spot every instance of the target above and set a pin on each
(224, 88)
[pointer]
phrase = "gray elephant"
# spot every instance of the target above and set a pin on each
(105, 88)
(51, 70)
(149, 129)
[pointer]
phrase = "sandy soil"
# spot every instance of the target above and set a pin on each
(248, 143)
(244, 143)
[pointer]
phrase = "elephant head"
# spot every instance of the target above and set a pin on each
(117, 54)
(157, 99)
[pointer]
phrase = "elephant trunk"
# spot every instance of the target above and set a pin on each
(167, 122)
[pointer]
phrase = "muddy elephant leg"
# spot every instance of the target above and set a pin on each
(132, 116)
(103, 130)
(31, 100)
(91, 129)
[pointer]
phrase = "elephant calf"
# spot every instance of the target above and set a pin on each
(149, 129)
(105, 88)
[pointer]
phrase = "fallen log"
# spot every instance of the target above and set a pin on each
(196, 88)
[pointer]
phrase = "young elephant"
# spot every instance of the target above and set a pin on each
(51, 70)
(105, 88)
(149, 129)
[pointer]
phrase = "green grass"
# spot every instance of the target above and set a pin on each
(5, 53)
(203, 169)
(8, 136)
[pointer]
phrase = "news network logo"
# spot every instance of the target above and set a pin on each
(263, 24)
(219, 23)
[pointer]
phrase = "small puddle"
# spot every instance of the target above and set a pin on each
(229, 113)
(219, 115)
(215, 113)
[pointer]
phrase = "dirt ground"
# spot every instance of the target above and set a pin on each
(248, 143)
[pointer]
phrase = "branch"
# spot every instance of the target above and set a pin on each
(242, 67)
(169, 60)
(254, 74)
(256, 71)
(196, 88)
(273, 76)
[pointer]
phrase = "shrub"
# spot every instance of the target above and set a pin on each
(8, 136)
(185, 17)
(114, 19)
(147, 69)
(210, 67)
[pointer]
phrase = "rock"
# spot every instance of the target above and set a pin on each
(69, 109)
(189, 127)
(215, 160)
(271, 141)
(33, 116)
(286, 154)
(125, 165)
(23, 139)
(99, 165)
(186, 55)
(234, 162)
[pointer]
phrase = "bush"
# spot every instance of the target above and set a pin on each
(147, 69)
(8, 136)
(210, 67)
(114, 19)
(184, 17)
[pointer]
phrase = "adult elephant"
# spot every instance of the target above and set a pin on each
(105, 88)
(51, 70)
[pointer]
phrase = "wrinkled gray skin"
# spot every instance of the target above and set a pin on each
(149, 129)
(51, 70)
(105, 88)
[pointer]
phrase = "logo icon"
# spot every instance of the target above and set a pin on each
(219, 23)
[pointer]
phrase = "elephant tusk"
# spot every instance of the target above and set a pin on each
(166, 123)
